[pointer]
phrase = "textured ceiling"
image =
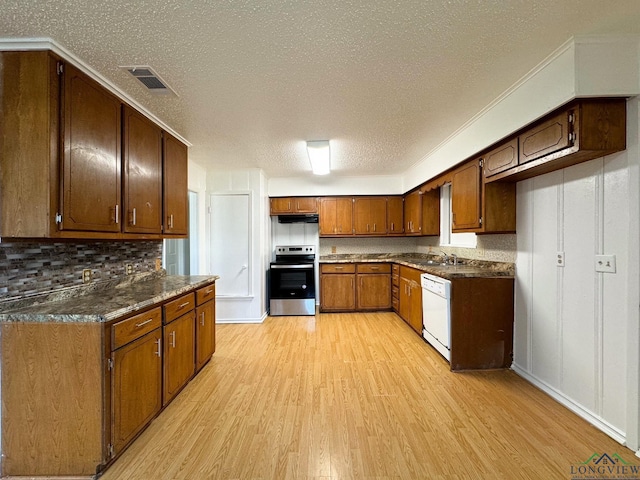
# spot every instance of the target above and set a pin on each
(386, 81)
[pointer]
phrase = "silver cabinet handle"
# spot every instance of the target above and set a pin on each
(133, 220)
(138, 325)
(116, 212)
(171, 221)
(183, 305)
(158, 352)
(209, 291)
(173, 339)
(202, 319)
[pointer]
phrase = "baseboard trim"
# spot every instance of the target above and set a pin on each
(595, 420)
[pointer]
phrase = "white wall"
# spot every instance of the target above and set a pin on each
(252, 307)
(572, 323)
(197, 182)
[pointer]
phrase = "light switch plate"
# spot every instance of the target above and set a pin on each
(560, 259)
(606, 263)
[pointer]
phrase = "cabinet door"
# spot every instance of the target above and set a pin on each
(337, 292)
(136, 387)
(412, 214)
(175, 170)
(327, 216)
(344, 216)
(142, 165)
(281, 205)
(501, 158)
(415, 309)
(205, 333)
(336, 216)
(374, 291)
(395, 215)
(370, 216)
(305, 204)
(404, 299)
(179, 355)
(465, 197)
(548, 137)
(91, 175)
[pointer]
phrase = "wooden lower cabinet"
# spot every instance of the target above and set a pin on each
(373, 286)
(179, 355)
(348, 287)
(410, 297)
(338, 292)
(205, 333)
(75, 395)
(136, 387)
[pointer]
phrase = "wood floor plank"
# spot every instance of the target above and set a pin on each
(341, 396)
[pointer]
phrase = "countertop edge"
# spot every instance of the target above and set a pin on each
(193, 284)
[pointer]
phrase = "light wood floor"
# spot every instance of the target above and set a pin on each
(341, 396)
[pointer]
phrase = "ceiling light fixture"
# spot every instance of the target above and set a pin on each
(319, 156)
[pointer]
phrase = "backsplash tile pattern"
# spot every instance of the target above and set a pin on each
(28, 268)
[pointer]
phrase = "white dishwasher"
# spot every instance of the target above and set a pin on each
(436, 313)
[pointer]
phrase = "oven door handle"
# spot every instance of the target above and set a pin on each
(306, 266)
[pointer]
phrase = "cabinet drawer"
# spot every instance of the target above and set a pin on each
(135, 327)
(373, 268)
(501, 158)
(205, 294)
(178, 307)
(395, 269)
(546, 138)
(395, 304)
(395, 279)
(395, 291)
(337, 268)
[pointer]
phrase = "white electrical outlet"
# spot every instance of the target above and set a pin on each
(129, 268)
(606, 263)
(560, 259)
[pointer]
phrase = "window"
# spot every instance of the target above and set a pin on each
(447, 237)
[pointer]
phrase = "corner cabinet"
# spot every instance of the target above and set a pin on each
(89, 389)
(480, 207)
(80, 164)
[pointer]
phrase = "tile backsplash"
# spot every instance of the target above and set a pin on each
(28, 268)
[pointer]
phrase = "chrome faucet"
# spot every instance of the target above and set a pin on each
(445, 258)
(455, 258)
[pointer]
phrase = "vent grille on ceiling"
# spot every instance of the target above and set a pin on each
(150, 79)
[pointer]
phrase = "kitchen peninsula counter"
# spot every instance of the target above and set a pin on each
(102, 301)
(467, 268)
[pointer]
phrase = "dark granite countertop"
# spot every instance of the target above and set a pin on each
(101, 302)
(466, 268)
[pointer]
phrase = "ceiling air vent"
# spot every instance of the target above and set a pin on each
(150, 79)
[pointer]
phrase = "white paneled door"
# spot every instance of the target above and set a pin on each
(570, 319)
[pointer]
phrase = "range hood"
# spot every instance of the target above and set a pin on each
(308, 218)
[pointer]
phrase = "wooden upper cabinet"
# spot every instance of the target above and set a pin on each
(336, 216)
(481, 207)
(370, 215)
(466, 197)
(395, 215)
(501, 158)
(175, 186)
(548, 137)
(293, 205)
(29, 182)
(142, 166)
(91, 175)
(584, 129)
(413, 213)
